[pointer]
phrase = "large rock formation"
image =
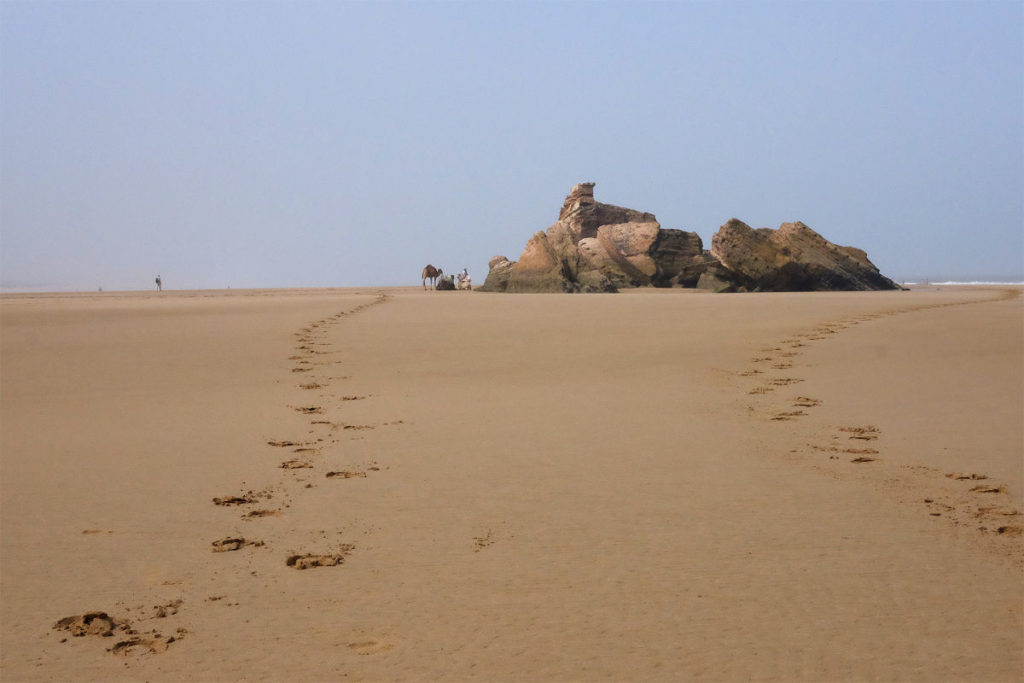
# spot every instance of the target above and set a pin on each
(595, 247)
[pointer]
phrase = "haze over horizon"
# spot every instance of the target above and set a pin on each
(314, 144)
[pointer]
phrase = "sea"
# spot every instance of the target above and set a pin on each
(957, 283)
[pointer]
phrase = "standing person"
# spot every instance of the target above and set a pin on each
(159, 284)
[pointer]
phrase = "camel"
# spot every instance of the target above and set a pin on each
(431, 273)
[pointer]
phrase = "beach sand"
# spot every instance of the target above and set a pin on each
(654, 485)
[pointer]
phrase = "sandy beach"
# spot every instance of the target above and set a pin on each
(396, 485)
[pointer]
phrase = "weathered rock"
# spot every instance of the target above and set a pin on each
(537, 256)
(591, 247)
(539, 269)
(498, 274)
(718, 279)
(540, 281)
(583, 215)
(793, 258)
(680, 258)
(595, 247)
(594, 282)
(629, 246)
(593, 256)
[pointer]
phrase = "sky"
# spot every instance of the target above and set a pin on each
(318, 144)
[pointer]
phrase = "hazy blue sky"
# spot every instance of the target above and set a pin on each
(251, 144)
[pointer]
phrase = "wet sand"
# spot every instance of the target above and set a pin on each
(409, 485)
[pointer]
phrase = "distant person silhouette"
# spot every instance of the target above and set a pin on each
(159, 284)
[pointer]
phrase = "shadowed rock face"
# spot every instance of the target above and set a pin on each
(793, 258)
(595, 247)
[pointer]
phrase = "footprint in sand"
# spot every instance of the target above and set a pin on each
(102, 624)
(999, 513)
(309, 561)
(154, 644)
(982, 488)
(92, 624)
(484, 541)
(254, 514)
(234, 500)
(992, 518)
(868, 433)
(792, 415)
(805, 402)
(295, 465)
(246, 498)
(170, 608)
(996, 510)
(226, 545)
(772, 383)
(345, 474)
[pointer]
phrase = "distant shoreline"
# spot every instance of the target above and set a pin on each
(957, 283)
(15, 292)
(256, 291)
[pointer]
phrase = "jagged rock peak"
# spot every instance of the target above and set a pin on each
(580, 194)
(580, 190)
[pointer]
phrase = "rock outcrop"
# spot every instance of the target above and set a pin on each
(793, 258)
(595, 247)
